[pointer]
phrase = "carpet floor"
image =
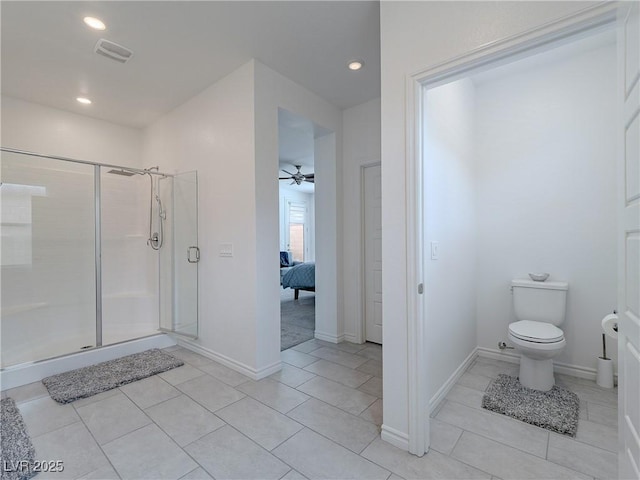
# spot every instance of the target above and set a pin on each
(556, 410)
(85, 382)
(16, 450)
(297, 318)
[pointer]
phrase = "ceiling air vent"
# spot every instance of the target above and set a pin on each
(113, 51)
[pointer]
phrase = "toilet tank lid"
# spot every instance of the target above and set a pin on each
(525, 283)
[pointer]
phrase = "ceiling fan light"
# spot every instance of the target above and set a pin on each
(297, 178)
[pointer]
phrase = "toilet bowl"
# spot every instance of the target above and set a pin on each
(538, 343)
(539, 308)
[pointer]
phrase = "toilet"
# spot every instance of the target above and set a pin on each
(540, 309)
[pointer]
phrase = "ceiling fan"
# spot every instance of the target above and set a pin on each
(298, 177)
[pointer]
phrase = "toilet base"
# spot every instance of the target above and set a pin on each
(536, 374)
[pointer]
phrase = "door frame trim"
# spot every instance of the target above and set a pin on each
(361, 333)
(486, 56)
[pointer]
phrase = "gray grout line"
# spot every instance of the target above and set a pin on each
(369, 444)
(97, 443)
(463, 462)
(329, 378)
(199, 438)
(527, 453)
(202, 436)
(546, 453)
(457, 441)
(191, 471)
(335, 406)
(310, 428)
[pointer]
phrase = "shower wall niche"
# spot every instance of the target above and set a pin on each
(77, 267)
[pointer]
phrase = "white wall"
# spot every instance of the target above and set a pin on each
(213, 133)
(229, 133)
(273, 91)
(360, 147)
(450, 220)
(546, 194)
(287, 193)
(37, 128)
(329, 282)
(414, 36)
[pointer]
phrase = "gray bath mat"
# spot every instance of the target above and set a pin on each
(17, 454)
(556, 410)
(85, 382)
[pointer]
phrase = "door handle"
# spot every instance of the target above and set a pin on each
(196, 250)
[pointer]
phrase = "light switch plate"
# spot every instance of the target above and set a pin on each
(435, 250)
(226, 250)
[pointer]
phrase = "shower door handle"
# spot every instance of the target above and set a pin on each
(196, 250)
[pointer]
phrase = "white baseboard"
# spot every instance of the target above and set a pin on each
(254, 374)
(33, 372)
(395, 437)
(327, 337)
(503, 355)
(351, 338)
(562, 368)
(442, 392)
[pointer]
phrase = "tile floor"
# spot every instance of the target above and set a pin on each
(317, 418)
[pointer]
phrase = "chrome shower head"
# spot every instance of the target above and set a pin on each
(124, 173)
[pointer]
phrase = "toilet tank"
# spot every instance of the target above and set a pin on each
(540, 301)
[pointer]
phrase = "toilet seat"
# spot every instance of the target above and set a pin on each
(536, 332)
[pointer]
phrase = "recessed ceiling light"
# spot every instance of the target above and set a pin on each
(95, 23)
(356, 65)
(84, 100)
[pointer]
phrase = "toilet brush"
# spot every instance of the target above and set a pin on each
(604, 376)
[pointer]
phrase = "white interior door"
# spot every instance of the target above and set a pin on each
(373, 254)
(629, 245)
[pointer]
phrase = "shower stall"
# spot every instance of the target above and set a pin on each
(93, 255)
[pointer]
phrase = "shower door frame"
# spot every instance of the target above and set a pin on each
(174, 309)
(98, 229)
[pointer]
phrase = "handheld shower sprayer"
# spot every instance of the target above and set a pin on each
(156, 239)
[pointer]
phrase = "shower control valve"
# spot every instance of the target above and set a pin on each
(154, 240)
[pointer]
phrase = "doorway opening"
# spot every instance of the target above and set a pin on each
(463, 190)
(296, 145)
(372, 252)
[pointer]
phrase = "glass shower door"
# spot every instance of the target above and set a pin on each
(180, 256)
(48, 267)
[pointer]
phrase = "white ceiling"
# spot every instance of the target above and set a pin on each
(180, 48)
